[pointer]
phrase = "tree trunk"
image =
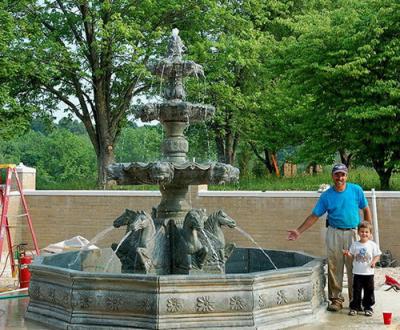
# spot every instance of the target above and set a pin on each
(274, 162)
(226, 147)
(231, 144)
(105, 158)
(384, 180)
(219, 141)
(384, 173)
(269, 160)
(345, 158)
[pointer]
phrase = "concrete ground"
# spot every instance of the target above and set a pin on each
(386, 301)
(12, 315)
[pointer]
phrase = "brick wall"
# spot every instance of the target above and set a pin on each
(59, 215)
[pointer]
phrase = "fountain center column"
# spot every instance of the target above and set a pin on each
(175, 146)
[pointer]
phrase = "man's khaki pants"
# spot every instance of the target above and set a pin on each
(338, 240)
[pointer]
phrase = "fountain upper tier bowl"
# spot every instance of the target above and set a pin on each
(249, 296)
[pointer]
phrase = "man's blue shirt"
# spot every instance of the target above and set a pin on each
(342, 207)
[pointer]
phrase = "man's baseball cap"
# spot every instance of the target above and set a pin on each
(339, 168)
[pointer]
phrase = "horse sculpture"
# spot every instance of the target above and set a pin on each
(189, 251)
(135, 250)
(212, 228)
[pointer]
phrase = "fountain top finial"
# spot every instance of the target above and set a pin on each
(175, 32)
(175, 47)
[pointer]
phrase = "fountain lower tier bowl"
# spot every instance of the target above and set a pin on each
(160, 172)
(250, 295)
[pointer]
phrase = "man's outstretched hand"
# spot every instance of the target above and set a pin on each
(293, 234)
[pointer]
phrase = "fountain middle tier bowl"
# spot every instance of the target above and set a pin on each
(176, 111)
(161, 172)
(251, 295)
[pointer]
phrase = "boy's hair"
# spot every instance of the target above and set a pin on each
(365, 224)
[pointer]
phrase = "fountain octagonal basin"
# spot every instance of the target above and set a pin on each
(249, 296)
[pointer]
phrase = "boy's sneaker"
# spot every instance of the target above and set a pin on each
(353, 312)
(369, 312)
(335, 306)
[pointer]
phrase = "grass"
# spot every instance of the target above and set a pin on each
(365, 177)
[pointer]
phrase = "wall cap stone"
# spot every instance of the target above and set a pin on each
(278, 194)
(146, 193)
(201, 193)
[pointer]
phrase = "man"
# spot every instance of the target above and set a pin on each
(342, 202)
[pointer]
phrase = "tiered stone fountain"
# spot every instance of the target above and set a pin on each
(184, 251)
(174, 269)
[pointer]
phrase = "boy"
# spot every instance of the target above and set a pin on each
(365, 254)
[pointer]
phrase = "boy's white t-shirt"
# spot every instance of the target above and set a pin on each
(363, 253)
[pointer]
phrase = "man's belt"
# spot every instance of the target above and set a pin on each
(343, 228)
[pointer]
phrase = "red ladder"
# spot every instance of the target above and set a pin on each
(8, 170)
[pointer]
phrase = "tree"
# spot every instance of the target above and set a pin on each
(269, 124)
(14, 118)
(344, 60)
(91, 56)
(229, 49)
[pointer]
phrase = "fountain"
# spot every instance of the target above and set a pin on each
(173, 269)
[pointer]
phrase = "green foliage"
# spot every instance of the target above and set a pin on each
(14, 118)
(341, 64)
(201, 143)
(143, 144)
(59, 158)
(72, 125)
(231, 50)
(139, 144)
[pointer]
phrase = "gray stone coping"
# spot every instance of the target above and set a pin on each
(206, 193)
(288, 194)
(146, 193)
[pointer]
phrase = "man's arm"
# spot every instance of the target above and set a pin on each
(347, 253)
(367, 214)
(294, 234)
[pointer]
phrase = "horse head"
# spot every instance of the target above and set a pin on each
(125, 219)
(134, 220)
(194, 219)
(225, 220)
(141, 221)
(218, 219)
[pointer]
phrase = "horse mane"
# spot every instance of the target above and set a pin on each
(133, 215)
(211, 221)
(193, 214)
(150, 220)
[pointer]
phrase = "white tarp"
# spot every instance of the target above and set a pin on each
(74, 243)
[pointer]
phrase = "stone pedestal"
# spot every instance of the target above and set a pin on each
(27, 177)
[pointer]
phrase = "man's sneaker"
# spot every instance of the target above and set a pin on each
(369, 312)
(353, 312)
(335, 306)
